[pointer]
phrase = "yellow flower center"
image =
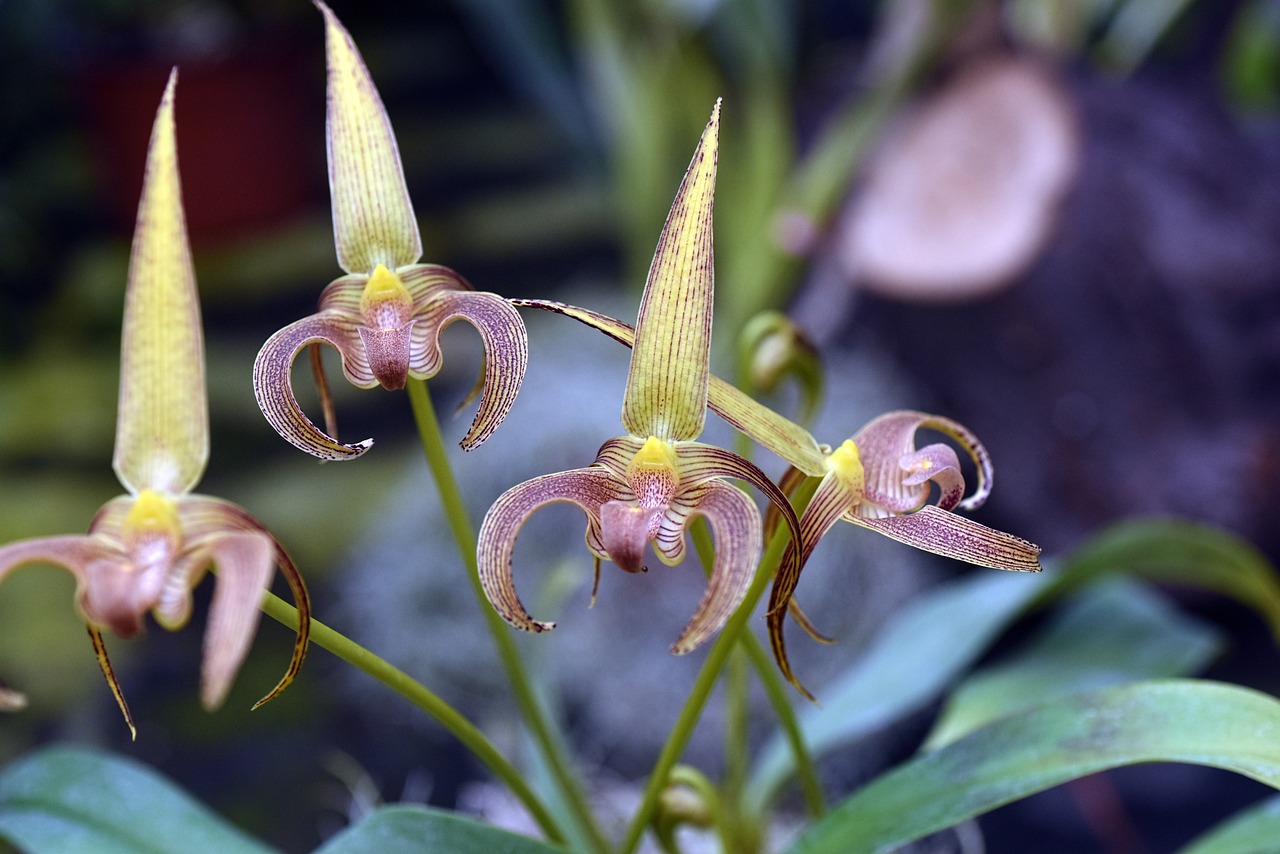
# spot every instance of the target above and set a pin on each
(152, 513)
(846, 463)
(655, 454)
(652, 472)
(152, 531)
(385, 302)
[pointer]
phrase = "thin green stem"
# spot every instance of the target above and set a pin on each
(422, 697)
(535, 715)
(778, 694)
(780, 698)
(687, 721)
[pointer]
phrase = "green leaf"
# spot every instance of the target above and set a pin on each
(1250, 831)
(916, 655)
(1199, 722)
(403, 829)
(71, 800)
(1177, 551)
(1113, 633)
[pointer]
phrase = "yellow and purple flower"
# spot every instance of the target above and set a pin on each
(648, 485)
(146, 551)
(385, 316)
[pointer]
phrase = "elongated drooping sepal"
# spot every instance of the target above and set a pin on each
(666, 392)
(373, 221)
(162, 428)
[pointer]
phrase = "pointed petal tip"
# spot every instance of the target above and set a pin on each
(373, 218)
(666, 393)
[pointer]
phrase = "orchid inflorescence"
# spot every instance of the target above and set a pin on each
(145, 551)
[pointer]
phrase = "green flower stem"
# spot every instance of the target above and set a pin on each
(775, 690)
(534, 712)
(422, 697)
(780, 698)
(685, 724)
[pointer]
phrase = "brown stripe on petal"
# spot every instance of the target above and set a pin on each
(588, 489)
(506, 350)
(373, 220)
(735, 526)
(273, 382)
(944, 533)
(830, 501)
(779, 434)
(666, 392)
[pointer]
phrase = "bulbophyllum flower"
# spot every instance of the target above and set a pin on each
(385, 316)
(146, 551)
(879, 480)
(647, 486)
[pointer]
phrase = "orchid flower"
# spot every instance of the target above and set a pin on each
(877, 480)
(146, 551)
(385, 316)
(647, 486)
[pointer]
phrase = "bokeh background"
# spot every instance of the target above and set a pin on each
(1058, 223)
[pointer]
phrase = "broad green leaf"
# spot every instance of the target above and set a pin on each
(918, 653)
(1113, 633)
(1250, 831)
(938, 636)
(418, 830)
(1177, 720)
(65, 800)
(162, 427)
(1177, 551)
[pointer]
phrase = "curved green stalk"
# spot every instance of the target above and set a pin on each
(685, 724)
(422, 697)
(777, 693)
(534, 713)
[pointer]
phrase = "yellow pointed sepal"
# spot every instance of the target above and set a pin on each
(666, 392)
(373, 221)
(162, 429)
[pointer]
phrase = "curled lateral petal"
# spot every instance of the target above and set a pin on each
(273, 382)
(106, 591)
(502, 332)
(701, 462)
(666, 393)
(779, 434)
(735, 525)
(831, 501)
(588, 489)
(205, 518)
(944, 533)
(244, 562)
(937, 463)
(373, 221)
(884, 441)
